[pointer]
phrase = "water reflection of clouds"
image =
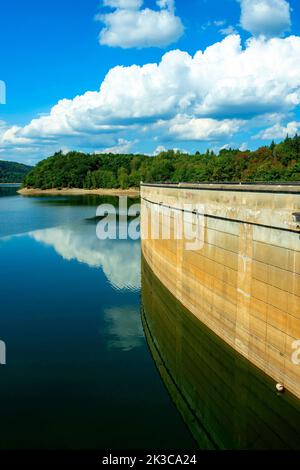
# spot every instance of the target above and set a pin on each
(119, 260)
(124, 328)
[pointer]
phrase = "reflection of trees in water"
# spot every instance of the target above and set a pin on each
(6, 191)
(84, 200)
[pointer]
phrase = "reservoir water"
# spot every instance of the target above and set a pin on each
(101, 356)
(79, 374)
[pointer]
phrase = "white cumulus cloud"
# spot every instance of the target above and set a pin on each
(269, 18)
(122, 146)
(214, 90)
(130, 26)
(192, 129)
(279, 131)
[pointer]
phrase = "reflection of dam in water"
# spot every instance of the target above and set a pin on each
(243, 283)
(226, 401)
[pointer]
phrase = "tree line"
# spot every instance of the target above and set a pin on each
(276, 162)
(11, 172)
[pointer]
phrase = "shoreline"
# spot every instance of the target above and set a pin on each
(131, 192)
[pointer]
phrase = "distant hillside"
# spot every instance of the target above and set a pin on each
(277, 162)
(11, 172)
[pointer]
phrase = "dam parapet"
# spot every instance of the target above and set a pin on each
(243, 278)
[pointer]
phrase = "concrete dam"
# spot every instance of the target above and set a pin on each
(226, 402)
(228, 259)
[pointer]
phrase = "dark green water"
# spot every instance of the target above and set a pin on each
(79, 374)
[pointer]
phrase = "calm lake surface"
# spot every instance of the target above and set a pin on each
(79, 374)
(98, 351)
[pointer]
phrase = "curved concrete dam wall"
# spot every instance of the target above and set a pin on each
(227, 402)
(230, 254)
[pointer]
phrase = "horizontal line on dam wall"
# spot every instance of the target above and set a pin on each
(217, 217)
(282, 188)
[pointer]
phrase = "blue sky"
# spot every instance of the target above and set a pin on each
(52, 51)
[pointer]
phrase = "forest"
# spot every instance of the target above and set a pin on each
(11, 172)
(276, 162)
